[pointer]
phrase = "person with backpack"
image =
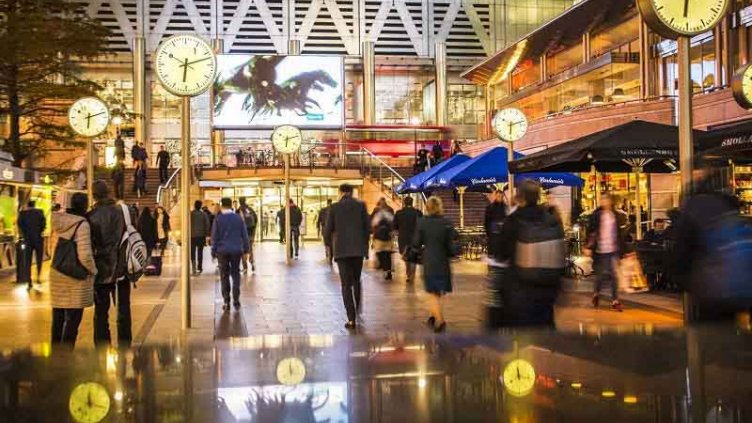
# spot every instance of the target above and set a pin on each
(382, 226)
(406, 223)
(200, 229)
(607, 243)
(437, 238)
(532, 243)
(712, 257)
(229, 243)
(72, 272)
(250, 219)
(107, 223)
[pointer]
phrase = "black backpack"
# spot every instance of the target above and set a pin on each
(540, 252)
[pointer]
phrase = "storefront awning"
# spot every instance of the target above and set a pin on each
(563, 31)
(732, 142)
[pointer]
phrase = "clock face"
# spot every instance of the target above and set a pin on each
(89, 116)
(741, 85)
(510, 124)
(185, 65)
(519, 377)
(291, 371)
(287, 139)
(89, 403)
(672, 18)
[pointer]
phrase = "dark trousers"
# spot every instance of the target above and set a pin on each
(163, 174)
(349, 274)
(119, 187)
(197, 252)
(604, 266)
(65, 322)
(249, 257)
(294, 240)
(38, 248)
(229, 268)
(523, 304)
(385, 260)
(120, 293)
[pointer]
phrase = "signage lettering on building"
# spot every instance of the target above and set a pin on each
(480, 181)
(740, 140)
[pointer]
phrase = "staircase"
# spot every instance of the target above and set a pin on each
(474, 204)
(152, 185)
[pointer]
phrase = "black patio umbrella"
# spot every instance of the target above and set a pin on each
(732, 143)
(653, 147)
(636, 146)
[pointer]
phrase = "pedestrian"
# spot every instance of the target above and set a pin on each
(163, 227)
(493, 220)
(281, 225)
(70, 295)
(200, 229)
(119, 148)
(147, 227)
(163, 163)
(140, 181)
(32, 224)
(438, 153)
(532, 243)
(209, 216)
(107, 227)
(382, 226)
(406, 223)
(712, 257)
(347, 229)
(321, 224)
(437, 238)
(607, 234)
(250, 219)
(118, 180)
(296, 219)
(229, 243)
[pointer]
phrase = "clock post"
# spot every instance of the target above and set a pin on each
(288, 226)
(185, 211)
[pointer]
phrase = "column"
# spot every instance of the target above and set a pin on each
(217, 135)
(369, 83)
(586, 50)
(644, 60)
(293, 47)
(441, 83)
(140, 93)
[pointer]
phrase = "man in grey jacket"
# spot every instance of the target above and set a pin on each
(200, 229)
(347, 229)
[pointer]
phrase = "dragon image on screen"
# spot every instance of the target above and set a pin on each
(257, 91)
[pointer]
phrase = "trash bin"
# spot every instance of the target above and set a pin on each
(23, 262)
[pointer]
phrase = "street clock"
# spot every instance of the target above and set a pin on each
(287, 139)
(185, 65)
(510, 124)
(89, 116)
(675, 18)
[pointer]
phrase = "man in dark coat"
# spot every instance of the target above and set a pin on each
(118, 180)
(32, 224)
(200, 230)
(163, 163)
(296, 219)
(405, 223)
(347, 231)
(321, 223)
(107, 227)
(493, 220)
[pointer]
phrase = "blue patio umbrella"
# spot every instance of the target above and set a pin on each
(415, 184)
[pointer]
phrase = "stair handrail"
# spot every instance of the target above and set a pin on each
(165, 188)
(392, 173)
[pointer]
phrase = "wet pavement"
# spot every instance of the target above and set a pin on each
(671, 375)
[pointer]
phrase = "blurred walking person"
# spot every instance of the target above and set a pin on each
(531, 243)
(163, 228)
(321, 224)
(32, 223)
(72, 272)
(347, 230)
(229, 243)
(382, 224)
(163, 163)
(250, 219)
(406, 223)
(296, 219)
(607, 243)
(147, 227)
(200, 229)
(118, 180)
(437, 238)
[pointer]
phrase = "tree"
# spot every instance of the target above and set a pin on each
(42, 46)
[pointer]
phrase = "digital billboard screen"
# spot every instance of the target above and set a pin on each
(259, 91)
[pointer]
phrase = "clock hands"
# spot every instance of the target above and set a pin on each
(686, 8)
(199, 60)
(185, 69)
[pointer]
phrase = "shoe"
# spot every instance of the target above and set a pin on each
(200, 271)
(350, 325)
(245, 270)
(253, 267)
(616, 305)
(236, 304)
(440, 328)
(431, 322)
(388, 276)
(596, 299)
(226, 307)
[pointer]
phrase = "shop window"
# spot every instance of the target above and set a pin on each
(565, 59)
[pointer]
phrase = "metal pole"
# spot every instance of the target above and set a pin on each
(217, 136)
(288, 231)
(369, 83)
(685, 137)
(597, 188)
(185, 211)
(461, 191)
(90, 170)
(638, 212)
(510, 177)
(440, 63)
(139, 89)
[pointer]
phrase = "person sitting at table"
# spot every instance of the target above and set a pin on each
(657, 234)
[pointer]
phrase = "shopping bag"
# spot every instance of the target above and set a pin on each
(630, 275)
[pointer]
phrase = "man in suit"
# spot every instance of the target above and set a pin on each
(32, 224)
(405, 223)
(347, 229)
(163, 162)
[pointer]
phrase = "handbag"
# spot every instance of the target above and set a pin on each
(413, 254)
(65, 260)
